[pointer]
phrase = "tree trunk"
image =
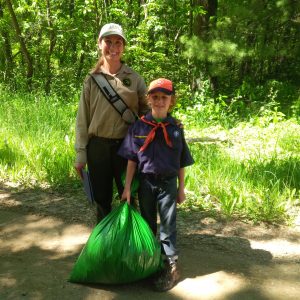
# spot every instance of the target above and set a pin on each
(202, 29)
(52, 42)
(107, 4)
(98, 14)
(203, 22)
(8, 57)
(71, 8)
(24, 50)
(245, 66)
(81, 60)
(9, 63)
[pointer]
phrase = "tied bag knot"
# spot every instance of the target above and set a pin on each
(151, 135)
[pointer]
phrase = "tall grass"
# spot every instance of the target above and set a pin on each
(246, 169)
(254, 173)
(37, 139)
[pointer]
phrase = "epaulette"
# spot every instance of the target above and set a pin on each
(178, 123)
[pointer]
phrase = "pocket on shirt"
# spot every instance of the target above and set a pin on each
(139, 140)
(176, 138)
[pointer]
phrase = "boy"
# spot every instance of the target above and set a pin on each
(155, 145)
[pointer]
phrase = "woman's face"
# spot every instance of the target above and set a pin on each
(112, 47)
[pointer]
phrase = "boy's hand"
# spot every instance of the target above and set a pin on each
(180, 197)
(126, 195)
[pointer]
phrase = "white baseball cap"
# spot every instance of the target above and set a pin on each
(111, 28)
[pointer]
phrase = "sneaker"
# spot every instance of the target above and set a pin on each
(167, 279)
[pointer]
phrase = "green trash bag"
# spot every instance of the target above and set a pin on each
(120, 249)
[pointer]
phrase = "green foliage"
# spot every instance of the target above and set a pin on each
(245, 169)
(154, 46)
(245, 41)
(257, 104)
(272, 95)
(236, 75)
(37, 137)
(252, 173)
(61, 39)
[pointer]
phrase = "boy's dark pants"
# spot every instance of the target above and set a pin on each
(160, 193)
(105, 165)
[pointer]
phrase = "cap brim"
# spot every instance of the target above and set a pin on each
(112, 33)
(159, 89)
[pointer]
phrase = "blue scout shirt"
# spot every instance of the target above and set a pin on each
(158, 157)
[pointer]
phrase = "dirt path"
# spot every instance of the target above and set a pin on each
(42, 234)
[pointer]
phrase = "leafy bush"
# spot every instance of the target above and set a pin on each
(245, 169)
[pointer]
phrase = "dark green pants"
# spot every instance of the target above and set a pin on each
(105, 166)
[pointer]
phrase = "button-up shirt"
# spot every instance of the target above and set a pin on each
(97, 117)
(158, 157)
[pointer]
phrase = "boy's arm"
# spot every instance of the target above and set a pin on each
(131, 167)
(181, 194)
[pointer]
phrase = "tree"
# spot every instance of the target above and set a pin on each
(52, 42)
(238, 41)
(52, 45)
(24, 50)
(203, 25)
(6, 53)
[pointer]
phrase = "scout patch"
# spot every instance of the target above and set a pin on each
(127, 81)
(176, 133)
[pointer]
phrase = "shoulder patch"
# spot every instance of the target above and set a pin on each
(127, 82)
(178, 123)
(176, 134)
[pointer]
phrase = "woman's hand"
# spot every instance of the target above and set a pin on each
(78, 168)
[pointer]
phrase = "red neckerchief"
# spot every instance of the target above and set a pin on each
(151, 134)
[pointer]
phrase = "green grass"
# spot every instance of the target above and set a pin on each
(37, 139)
(251, 171)
(254, 174)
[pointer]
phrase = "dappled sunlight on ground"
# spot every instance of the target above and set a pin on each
(40, 241)
(275, 288)
(210, 286)
(277, 281)
(44, 233)
(7, 281)
(8, 200)
(279, 247)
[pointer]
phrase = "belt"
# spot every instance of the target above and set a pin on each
(158, 176)
(106, 140)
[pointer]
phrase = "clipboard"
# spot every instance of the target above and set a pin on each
(87, 186)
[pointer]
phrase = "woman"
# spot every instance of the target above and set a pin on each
(100, 128)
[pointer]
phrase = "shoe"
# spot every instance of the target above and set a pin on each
(168, 278)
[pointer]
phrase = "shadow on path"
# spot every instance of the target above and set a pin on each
(39, 247)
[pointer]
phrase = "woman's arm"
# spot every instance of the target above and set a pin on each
(81, 129)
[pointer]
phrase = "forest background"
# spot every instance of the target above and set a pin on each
(235, 65)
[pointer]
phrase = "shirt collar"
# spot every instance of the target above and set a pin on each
(124, 69)
(168, 119)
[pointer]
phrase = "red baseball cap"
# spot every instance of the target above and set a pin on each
(161, 85)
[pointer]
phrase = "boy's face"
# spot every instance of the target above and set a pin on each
(160, 104)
